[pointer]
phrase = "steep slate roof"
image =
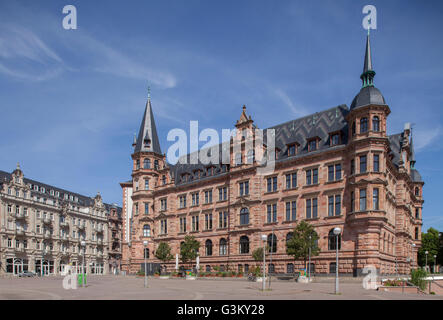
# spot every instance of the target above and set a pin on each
(148, 131)
(319, 124)
(82, 200)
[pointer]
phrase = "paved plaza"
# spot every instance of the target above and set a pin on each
(131, 287)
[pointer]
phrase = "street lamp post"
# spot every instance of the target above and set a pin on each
(337, 232)
(412, 255)
(435, 260)
(426, 260)
(145, 244)
(83, 244)
(309, 263)
(263, 238)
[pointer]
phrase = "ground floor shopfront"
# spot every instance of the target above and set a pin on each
(48, 265)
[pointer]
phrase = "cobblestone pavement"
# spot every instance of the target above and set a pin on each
(130, 287)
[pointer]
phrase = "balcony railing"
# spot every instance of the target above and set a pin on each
(19, 232)
(46, 220)
(64, 224)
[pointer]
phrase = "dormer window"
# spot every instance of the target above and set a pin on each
(335, 139)
(147, 142)
(312, 144)
(292, 149)
(363, 125)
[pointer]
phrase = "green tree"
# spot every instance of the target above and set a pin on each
(429, 242)
(257, 254)
(189, 249)
(163, 252)
(303, 238)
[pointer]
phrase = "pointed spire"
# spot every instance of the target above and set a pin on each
(411, 147)
(134, 142)
(147, 139)
(368, 74)
(18, 165)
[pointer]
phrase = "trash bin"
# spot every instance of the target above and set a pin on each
(80, 279)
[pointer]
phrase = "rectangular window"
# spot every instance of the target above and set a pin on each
(146, 208)
(308, 209)
(331, 174)
(222, 220)
(337, 205)
(272, 213)
(146, 184)
(244, 188)
(335, 139)
(291, 211)
(375, 202)
(195, 199)
(363, 164)
(309, 177)
(330, 206)
(195, 223)
(272, 184)
(314, 208)
(291, 150)
(182, 201)
(376, 163)
(163, 226)
(362, 199)
(182, 224)
(163, 204)
(338, 172)
(314, 176)
(223, 194)
(208, 221)
(208, 196)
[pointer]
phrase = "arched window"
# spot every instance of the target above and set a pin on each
(146, 230)
(244, 244)
(363, 125)
(223, 247)
(147, 163)
(208, 247)
(376, 124)
(332, 240)
(244, 216)
(272, 243)
(353, 129)
(289, 236)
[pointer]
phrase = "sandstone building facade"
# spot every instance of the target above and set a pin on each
(334, 168)
(42, 229)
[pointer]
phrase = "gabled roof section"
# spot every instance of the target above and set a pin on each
(147, 139)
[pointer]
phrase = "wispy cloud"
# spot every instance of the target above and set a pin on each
(424, 138)
(25, 56)
(295, 109)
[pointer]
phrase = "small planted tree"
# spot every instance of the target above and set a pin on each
(189, 249)
(303, 238)
(163, 252)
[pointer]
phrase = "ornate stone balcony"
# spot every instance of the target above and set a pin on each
(19, 232)
(98, 229)
(81, 226)
(64, 224)
(46, 221)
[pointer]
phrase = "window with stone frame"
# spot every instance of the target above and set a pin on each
(244, 245)
(271, 213)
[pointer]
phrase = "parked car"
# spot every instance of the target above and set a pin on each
(27, 274)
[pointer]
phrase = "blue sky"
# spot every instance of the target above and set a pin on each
(71, 100)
